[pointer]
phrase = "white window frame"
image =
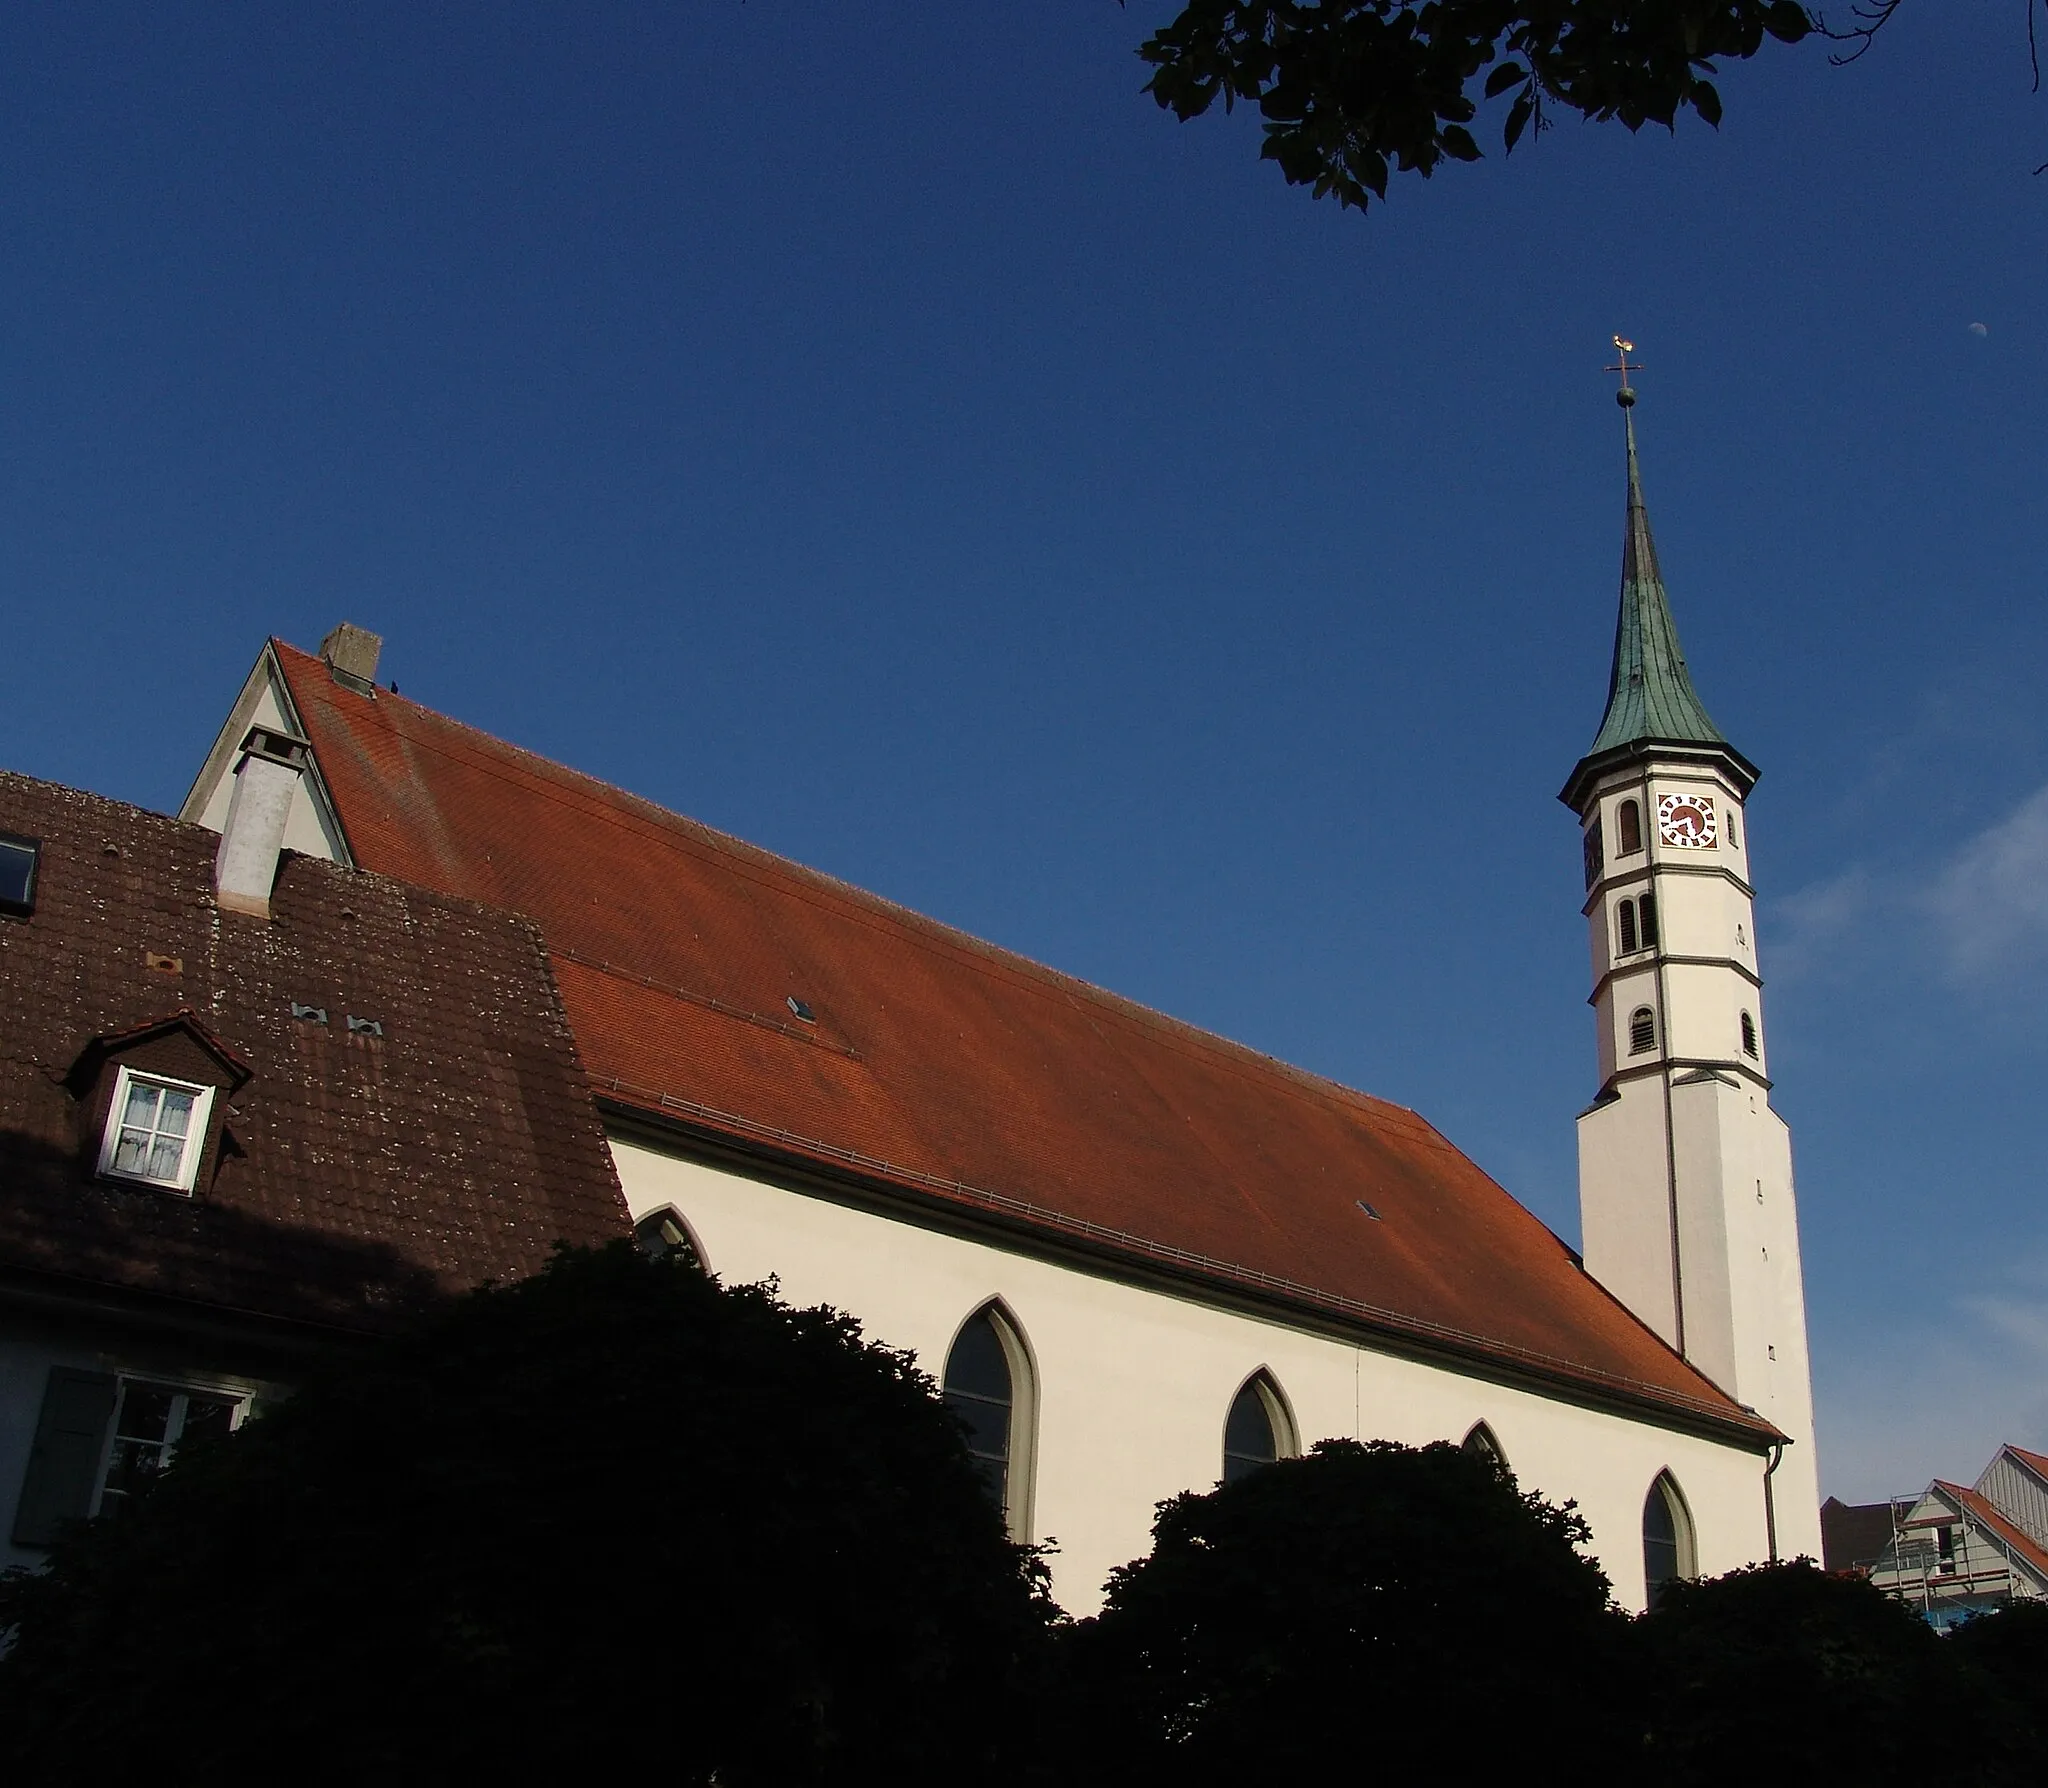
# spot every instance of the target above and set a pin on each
(195, 1139)
(174, 1429)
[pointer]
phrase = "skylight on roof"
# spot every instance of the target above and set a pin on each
(1368, 1210)
(19, 860)
(802, 1009)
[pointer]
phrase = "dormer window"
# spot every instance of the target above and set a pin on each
(156, 1131)
(20, 858)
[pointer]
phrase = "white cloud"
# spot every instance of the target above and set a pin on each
(1991, 902)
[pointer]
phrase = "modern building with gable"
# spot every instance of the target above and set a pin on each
(254, 1109)
(1140, 1257)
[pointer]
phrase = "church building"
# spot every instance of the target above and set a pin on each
(1139, 1257)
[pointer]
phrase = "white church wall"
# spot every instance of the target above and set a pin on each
(1624, 1203)
(1134, 1383)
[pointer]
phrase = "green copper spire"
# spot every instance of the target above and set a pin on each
(1650, 693)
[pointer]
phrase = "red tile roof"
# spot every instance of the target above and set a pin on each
(1987, 1515)
(2034, 1462)
(956, 1071)
(367, 1174)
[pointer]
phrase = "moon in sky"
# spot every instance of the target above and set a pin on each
(1979, 329)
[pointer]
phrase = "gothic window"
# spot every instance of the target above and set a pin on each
(1647, 908)
(1631, 941)
(1749, 1036)
(1631, 818)
(1596, 855)
(1257, 1430)
(1667, 1539)
(1481, 1440)
(1642, 1031)
(663, 1233)
(988, 1388)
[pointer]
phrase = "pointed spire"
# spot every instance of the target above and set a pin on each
(1649, 692)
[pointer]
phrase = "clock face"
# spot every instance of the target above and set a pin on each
(1686, 821)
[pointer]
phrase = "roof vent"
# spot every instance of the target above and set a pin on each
(1368, 1210)
(352, 653)
(266, 784)
(802, 1009)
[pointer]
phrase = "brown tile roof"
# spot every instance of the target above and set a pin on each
(363, 1174)
(1987, 1515)
(943, 1066)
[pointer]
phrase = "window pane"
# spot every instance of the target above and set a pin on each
(978, 1363)
(177, 1113)
(131, 1153)
(145, 1413)
(17, 873)
(164, 1158)
(1660, 1542)
(987, 1422)
(141, 1112)
(206, 1415)
(1248, 1434)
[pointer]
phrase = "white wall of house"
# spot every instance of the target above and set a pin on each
(1133, 1383)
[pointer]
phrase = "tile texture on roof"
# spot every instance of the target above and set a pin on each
(366, 1174)
(954, 1069)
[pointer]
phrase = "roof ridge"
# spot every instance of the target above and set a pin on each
(799, 876)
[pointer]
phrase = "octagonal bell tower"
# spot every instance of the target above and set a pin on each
(1685, 1172)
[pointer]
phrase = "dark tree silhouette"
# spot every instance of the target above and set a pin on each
(1352, 91)
(613, 1517)
(1376, 1610)
(1824, 1675)
(2009, 1648)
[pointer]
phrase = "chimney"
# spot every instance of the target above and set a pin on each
(351, 653)
(266, 780)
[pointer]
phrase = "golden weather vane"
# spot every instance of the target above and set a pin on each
(1626, 395)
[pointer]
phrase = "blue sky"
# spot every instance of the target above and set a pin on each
(878, 431)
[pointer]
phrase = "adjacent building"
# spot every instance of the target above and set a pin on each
(255, 1107)
(1954, 1550)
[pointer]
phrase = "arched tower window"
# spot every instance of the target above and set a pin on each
(1668, 1553)
(1749, 1036)
(1258, 1429)
(1647, 909)
(1596, 855)
(1483, 1441)
(1631, 821)
(1642, 1031)
(1734, 837)
(1631, 940)
(988, 1386)
(662, 1233)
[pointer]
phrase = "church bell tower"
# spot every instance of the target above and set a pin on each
(1685, 1172)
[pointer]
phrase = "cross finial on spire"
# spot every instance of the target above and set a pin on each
(1626, 396)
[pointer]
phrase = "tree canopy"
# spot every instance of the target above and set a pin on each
(613, 1517)
(1407, 1608)
(1352, 91)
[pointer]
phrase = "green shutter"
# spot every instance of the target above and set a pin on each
(64, 1464)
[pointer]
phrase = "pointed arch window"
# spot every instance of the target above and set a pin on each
(1668, 1552)
(663, 1233)
(1258, 1429)
(1642, 1031)
(988, 1386)
(1749, 1036)
(1483, 1441)
(1630, 824)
